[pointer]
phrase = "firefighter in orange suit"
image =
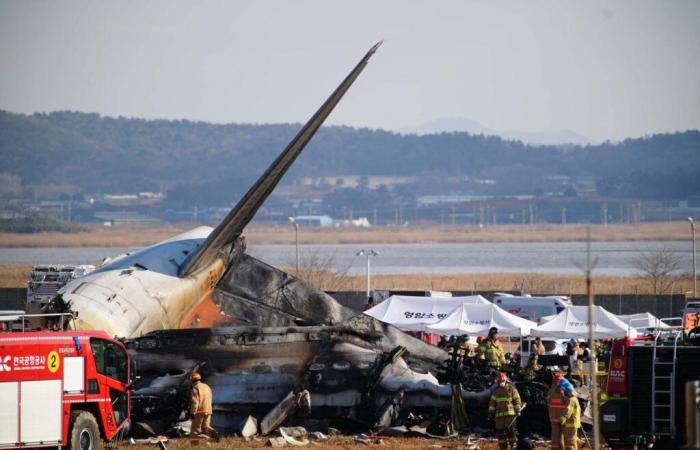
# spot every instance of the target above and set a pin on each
(200, 407)
(571, 416)
(555, 405)
(504, 407)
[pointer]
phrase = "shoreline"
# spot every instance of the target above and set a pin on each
(139, 236)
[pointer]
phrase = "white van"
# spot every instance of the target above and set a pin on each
(532, 308)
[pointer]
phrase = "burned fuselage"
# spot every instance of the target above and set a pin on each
(250, 369)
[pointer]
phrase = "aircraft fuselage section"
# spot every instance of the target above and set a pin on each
(141, 292)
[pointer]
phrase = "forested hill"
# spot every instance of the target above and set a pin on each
(103, 154)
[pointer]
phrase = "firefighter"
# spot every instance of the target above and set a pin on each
(555, 407)
(571, 416)
(538, 347)
(504, 407)
(200, 407)
(494, 352)
(532, 369)
(481, 348)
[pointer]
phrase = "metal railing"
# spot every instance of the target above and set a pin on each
(22, 319)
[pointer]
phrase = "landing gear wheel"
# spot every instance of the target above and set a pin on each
(84, 432)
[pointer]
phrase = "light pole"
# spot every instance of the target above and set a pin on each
(695, 277)
(296, 235)
(368, 253)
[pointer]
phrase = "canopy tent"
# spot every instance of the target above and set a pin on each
(477, 319)
(573, 323)
(415, 313)
(642, 321)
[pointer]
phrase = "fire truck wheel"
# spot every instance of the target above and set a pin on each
(84, 433)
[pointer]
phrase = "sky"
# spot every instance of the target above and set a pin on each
(606, 70)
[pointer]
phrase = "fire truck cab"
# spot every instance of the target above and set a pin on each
(68, 389)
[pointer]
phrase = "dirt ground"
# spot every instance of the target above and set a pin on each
(336, 442)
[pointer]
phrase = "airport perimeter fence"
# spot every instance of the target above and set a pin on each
(661, 305)
(13, 299)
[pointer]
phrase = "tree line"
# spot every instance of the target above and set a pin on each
(203, 163)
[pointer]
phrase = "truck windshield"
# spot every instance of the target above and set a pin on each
(110, 360)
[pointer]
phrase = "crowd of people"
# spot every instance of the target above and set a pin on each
(505, 403)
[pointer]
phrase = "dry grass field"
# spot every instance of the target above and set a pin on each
(136, 236)
(532, 283)
(14, 275)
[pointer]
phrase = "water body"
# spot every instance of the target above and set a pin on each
(614, 258)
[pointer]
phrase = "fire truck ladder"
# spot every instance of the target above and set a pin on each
(663, 383)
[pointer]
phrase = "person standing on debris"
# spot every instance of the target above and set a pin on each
(532, 369)
(585, 355)
(538, 347)
(504, 408)
(200, 407)
(571, 416)
(481, 345)
(494, 352)
(555, 406)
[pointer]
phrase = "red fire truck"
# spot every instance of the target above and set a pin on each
(646, 379)
(58, 388)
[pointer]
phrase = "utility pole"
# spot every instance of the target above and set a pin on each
(605, 215)
(588, 270)
(368, 253)
(296, 235)
(695, 273)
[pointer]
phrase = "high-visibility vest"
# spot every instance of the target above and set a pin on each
(556, 404)
(572, 416)
(494, 355)
(201, 399)
(481, 350)
(530, 372)
(505, 401)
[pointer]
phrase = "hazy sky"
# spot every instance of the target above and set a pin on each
(607, 70)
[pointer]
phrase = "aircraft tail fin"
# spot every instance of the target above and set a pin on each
(236, 220)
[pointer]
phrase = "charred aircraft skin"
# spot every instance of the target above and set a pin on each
(250, 369)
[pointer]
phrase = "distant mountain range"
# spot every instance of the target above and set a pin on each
(463, 124)
(214, 164)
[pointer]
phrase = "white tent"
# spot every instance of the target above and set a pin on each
(477, 319)
(642, 321)
(414, 313)
(573, 323)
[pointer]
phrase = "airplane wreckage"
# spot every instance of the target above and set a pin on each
(260, 336)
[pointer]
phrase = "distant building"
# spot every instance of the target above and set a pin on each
(115, 217)
(314, 221)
